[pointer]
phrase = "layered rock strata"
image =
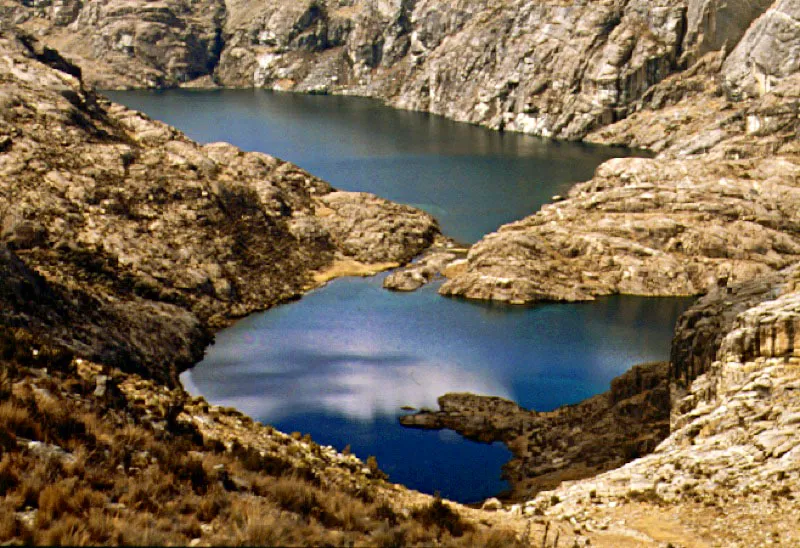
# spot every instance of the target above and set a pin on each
(142, 240)
(734, 444)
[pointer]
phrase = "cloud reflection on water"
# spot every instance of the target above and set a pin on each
(353, 384)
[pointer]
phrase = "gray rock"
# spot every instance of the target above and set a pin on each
(768, 53)
(716, 24)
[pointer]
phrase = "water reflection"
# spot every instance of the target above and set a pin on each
(277, 381)
(360, 352)
(341, 362)
(473, 180)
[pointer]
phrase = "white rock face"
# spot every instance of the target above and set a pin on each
(736, 435)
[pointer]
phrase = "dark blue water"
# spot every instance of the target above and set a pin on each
(471, 179)
(340, 363)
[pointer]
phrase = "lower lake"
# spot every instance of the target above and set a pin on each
(342, 362)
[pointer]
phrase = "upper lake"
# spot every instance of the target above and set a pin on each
(340, 363)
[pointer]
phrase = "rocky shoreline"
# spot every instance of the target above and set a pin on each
(127, 244)
(570, 443)
(150, 241)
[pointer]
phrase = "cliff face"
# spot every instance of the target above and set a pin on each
(143, 239)
(130, 43)
(716, 206)
(734, 443)
(549, 68)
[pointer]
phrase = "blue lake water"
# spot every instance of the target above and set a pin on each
(340, 363)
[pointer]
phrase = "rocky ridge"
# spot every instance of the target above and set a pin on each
(550, 68)
(149, 240)
(716, 206)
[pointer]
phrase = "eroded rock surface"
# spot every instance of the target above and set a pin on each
(710, 85)
(716, 206)
(548, 68)
(734, 442)
(572, 442)
(144, 239)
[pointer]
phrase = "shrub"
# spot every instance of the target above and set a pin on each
(495, 538)
(9, 478)
(390, 538)
(5, 385)
(8, 440)
(372, 464)
(192, 470)
(32, 485)
(296, 496)
(386, 513)
(212, 505)
(254, 461)
(67, 532)
(9, 527)
(58, 423)
(440, 515)
(102, 527)
(17, 420)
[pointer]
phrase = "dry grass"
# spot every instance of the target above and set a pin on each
(125, 482)
(15, 418)
(439, 516)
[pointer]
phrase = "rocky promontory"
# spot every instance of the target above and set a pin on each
(147, 241)
(572, 442)
(717, 206)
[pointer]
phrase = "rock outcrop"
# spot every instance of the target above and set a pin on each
(716, 206)
(548, 68)
(709, 85)
(131, 42)
(734, 442)
(719, 207)
(572, 442)
(142, 240)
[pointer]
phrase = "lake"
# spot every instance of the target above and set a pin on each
(340, 363)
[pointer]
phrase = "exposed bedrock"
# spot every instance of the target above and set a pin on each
(734, 438)
(142, 240)
(710, 85)
(572, 442)
(718, 419)
(717, 206)
(549, 68)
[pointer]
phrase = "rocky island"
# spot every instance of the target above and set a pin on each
(124, 245)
